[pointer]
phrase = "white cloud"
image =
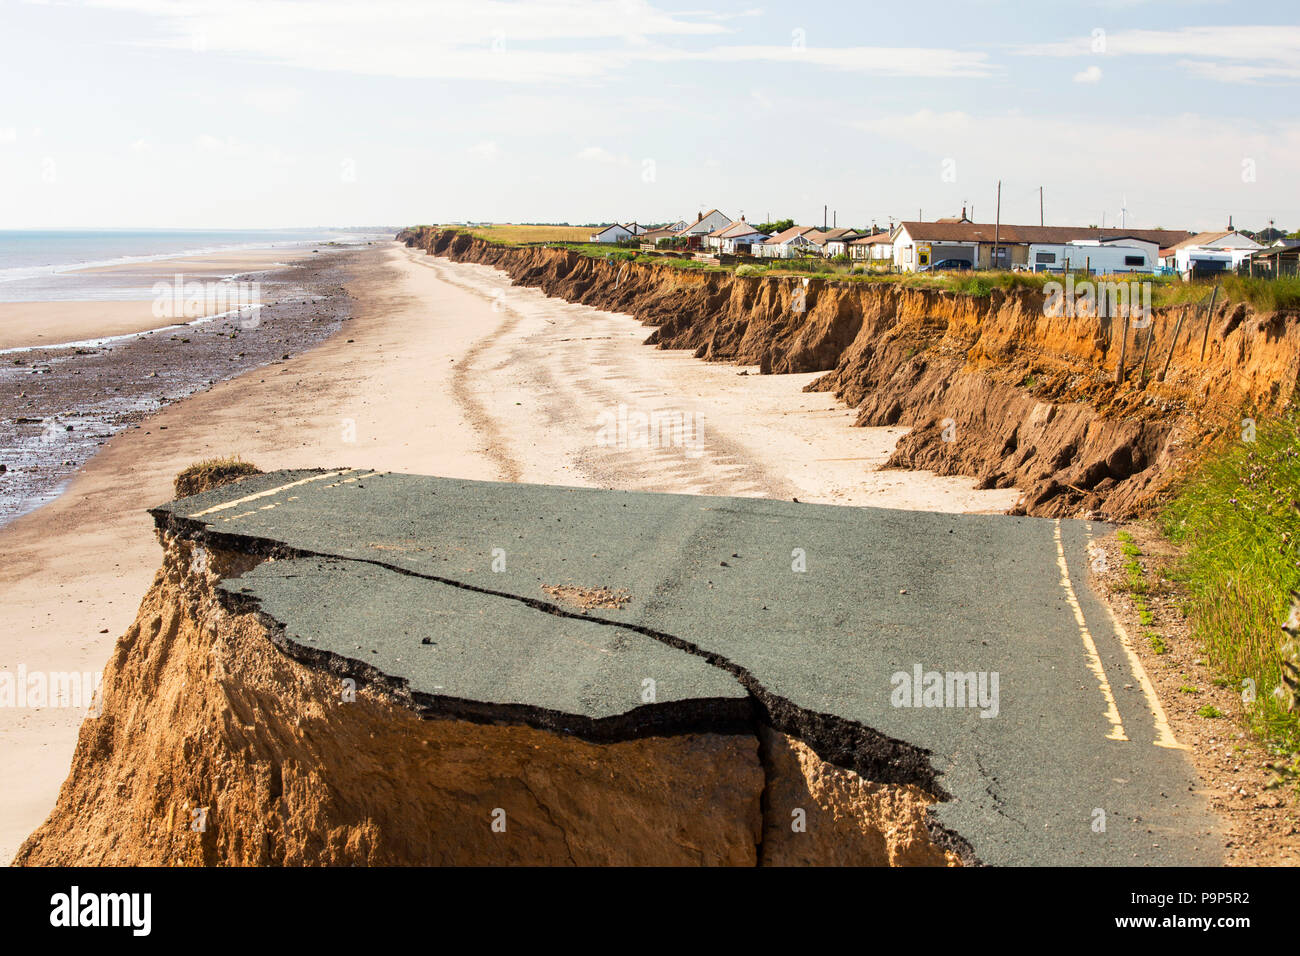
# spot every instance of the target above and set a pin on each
(492, 40)
(881, 61)
(1091, 159)
(278, 100)
(1091, 75)
(487, 150)
(596, 154)
(233, 148)
(1234, 54)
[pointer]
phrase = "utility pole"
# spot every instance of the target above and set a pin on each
(823, 218)
(1040, 205)
(997, 227)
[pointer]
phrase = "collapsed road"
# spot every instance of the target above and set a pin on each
(730, 676)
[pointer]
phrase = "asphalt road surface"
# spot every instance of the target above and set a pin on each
(616, 614)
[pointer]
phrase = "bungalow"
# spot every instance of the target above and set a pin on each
(918, 245)
(837, 241)
(739, 233)
(795, 241)
(1209, 252)
(704, 224)
(654, 235)
(612, 233)
(875, 248)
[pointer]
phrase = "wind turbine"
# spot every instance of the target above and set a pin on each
(1123, 212)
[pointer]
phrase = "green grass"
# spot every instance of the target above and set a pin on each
(1238, 520)
(1265, 295)
(1209, 711)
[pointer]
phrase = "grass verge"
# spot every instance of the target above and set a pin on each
(1237, 520)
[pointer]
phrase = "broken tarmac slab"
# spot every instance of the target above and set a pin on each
(813, 619)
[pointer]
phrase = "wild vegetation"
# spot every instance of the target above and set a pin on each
(1238, 520)
(212, 473)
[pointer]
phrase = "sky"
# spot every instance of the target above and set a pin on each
(279, 113)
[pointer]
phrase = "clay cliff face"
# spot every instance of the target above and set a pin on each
(216, 747)
(991, 386)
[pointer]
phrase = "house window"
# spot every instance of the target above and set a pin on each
(1045, 258)
(1135, 260)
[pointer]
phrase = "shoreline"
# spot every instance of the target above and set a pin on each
(384, 395)
(64, 400)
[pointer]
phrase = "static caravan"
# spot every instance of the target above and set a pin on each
(1100, 257)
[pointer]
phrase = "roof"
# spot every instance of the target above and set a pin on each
(1200, 239)
(870, 240)
(841, 233)
(612, 225)
(1205, 238)
(737, 228)
(1009, 233)
(702, 218)
(794, 232)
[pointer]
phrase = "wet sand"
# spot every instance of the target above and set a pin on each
(35, 324)
(61, 404)
(437, 373)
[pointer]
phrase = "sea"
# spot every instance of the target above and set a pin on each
(40, 265)
(60, 402)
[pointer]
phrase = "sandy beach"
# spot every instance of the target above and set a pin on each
(444, 369)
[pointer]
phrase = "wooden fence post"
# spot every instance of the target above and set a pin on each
(1209, 318)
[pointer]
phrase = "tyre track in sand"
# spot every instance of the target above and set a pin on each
(568, 365)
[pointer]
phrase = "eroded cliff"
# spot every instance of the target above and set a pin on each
(991, 386)
(223, 741)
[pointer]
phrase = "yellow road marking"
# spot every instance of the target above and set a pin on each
(267, 494)
(1164, 733)
(1089, 645)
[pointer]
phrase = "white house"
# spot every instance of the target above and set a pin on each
(836, 241)
(1209, 252)
(739, 233)
(795, 241)
(875, 248)
(705, 224)
(613, 233)
(1100, 256)
(918, 246)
